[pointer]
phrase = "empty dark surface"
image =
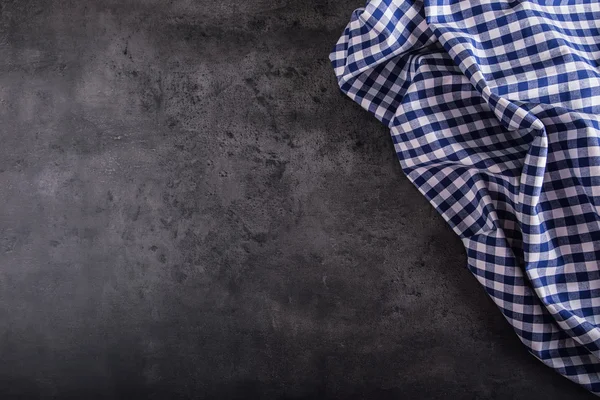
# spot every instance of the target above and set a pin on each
(191, 209)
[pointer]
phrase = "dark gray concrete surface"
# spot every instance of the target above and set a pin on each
(190, 209)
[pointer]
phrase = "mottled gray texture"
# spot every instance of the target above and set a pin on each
(191, 209)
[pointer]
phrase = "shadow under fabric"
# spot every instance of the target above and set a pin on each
(494, 111)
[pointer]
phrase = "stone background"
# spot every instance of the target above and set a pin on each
(191, 209)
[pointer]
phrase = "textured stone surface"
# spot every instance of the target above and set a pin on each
(191, 209)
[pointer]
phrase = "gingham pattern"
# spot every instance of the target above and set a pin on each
(494, 111)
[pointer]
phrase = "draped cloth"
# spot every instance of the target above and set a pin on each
(494, 112)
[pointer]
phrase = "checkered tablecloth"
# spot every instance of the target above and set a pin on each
(494, 111)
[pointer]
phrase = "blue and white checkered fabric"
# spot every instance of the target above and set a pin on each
(494, 110)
